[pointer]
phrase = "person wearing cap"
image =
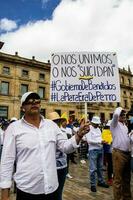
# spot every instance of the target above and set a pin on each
(95, 149)
(121, 155)
(107, 147)
(61, 158)
(32, 142)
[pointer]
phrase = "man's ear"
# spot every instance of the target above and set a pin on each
(22, 109)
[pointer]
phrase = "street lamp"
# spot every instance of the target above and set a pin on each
(1, 44)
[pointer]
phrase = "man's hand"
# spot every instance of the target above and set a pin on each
(131, 133)
(104, 142)
(5, 194)
(82, 131)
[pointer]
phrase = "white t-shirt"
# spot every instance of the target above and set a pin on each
(94, 138)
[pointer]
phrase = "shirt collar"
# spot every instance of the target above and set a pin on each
(41, 122)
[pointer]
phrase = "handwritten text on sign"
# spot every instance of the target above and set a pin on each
(84, 77)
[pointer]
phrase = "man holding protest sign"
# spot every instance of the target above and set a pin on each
(32, 142)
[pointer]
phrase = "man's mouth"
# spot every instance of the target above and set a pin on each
(34, 108)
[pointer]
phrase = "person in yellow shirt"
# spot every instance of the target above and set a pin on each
(107, 138)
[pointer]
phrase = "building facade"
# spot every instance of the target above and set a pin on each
(19, 75)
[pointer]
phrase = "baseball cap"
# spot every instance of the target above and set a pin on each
(29, 95)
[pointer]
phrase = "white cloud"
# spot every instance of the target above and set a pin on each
(7, 24)
(80, 25)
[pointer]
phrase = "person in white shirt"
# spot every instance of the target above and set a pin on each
(121, 156)
(61, 158)
(3, 127)
(131, 139)
(32, 142)
(68, 132)
(1, 141)
(95, 149)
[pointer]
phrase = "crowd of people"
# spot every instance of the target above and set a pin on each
(35, 152)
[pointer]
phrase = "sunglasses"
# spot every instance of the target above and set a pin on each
(32, 101)
(57, 120)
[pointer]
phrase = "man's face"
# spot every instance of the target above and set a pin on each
(64, 123)
(95, 125)
(32, 107)
(122, 117)
(57, 121)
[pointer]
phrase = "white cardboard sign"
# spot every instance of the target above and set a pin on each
(84, 77)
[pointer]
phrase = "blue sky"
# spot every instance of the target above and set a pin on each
(23, 11)
(41, 27)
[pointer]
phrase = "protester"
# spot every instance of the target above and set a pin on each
(94, 139)
(1, 141)
(4, 125)
(121, 156)
(131, 138)
(107, 147)
(83, 146)
(61, 158)
(70, 125)
(130, 123)
(68, 131)
(75, 127)
(32, 142)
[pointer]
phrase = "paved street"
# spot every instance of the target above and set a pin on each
(78, 187)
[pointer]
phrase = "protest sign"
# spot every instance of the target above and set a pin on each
(84, 77)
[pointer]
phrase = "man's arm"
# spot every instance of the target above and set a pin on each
(7, 162)
(5, 194)
(116, 115)
(69, 145)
